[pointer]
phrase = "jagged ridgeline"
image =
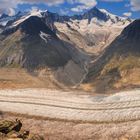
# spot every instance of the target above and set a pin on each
(77, 49)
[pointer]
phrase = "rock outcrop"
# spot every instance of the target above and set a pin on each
(12, 130)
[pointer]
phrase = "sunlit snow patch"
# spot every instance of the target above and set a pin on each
(23, 18)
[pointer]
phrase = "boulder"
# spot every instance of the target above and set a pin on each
(8, 126)
(11, 130)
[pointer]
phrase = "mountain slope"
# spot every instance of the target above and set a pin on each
(24, 45)
(119, 66)
(57, 47)
(94, 30)
(32, 45)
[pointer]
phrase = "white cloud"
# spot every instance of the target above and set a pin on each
(11, 12)
(8, 4)
(48, 2)
(79, 8)
(127, 5)
(135, 5)
(64, 11)
(112, 0)
(127, 14)
(83, 5)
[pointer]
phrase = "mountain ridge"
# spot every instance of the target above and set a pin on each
(119, 63)
(67, 46)
(93, 12)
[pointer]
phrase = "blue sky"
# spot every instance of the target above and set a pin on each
(130, 8)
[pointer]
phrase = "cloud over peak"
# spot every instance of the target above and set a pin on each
(84, 5)
(135, 5)
(127, 14)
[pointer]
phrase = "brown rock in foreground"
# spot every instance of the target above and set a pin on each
(8, 126)
(12, 130)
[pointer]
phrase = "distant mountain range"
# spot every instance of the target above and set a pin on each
(100, 14)
(79, 50)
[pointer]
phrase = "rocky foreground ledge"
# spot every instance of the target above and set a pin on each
(12, 130)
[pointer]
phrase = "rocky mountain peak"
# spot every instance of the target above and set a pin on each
(54, 16)
(95, 12)
(49, 17)
(34, 25)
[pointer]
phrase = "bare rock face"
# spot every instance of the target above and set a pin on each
(32, 46)
(35, 29)
(95, 12)
(120, 60)
(71, 74)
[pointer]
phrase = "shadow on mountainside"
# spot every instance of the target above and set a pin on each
(119, 66)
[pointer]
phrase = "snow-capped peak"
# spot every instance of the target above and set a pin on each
(36, 12)
(106, 12)
(26, 16)
(95, 15)
(113, 17)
